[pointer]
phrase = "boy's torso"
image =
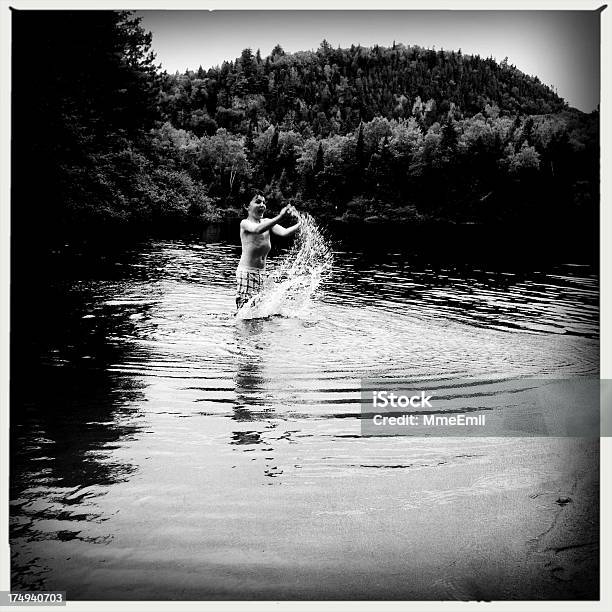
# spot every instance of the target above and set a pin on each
(255, 248)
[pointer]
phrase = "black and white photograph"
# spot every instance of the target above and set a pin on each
(304, 305)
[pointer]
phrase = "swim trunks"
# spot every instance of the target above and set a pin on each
(249, 282)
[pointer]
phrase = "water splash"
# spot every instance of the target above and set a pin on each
(290, 289)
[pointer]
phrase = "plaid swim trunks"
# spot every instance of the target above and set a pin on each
(249, 282)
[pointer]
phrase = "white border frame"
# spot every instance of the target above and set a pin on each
(605, 604)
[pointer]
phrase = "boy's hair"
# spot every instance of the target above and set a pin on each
(256, 193)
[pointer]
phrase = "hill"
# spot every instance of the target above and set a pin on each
(330, 91)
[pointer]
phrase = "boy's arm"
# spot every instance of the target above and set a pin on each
(264, 225)
(278, 230)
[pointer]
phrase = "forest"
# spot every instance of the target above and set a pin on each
(104, 139)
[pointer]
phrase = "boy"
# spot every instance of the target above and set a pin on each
(255, 240)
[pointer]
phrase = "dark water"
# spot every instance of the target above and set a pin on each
(163, 449)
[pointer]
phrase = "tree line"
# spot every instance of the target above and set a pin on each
(103, 137)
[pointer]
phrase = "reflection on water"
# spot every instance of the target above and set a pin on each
(162, 448)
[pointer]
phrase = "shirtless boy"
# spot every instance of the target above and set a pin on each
(255, 239)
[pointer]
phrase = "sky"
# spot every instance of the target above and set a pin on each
(561, 48)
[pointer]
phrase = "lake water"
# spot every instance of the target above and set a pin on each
(164, 449)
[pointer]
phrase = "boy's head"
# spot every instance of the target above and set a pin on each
(257, 206)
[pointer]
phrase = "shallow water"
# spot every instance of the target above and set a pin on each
(163, 448)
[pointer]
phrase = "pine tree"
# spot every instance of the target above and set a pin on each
(273, 151)
(249, 141)
(359, 149)
(319, 162)
(278, 51)
(449, 140)
(246, 62)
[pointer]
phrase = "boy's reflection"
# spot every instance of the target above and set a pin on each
(253, 399)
